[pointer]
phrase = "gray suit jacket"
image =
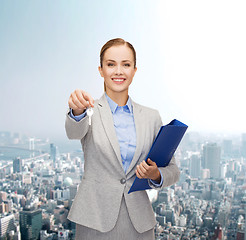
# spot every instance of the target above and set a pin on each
(104, 182)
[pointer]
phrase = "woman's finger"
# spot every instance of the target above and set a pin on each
(137, 174)
(71, 104)
(79, 104)
(78, 96)
(143, 169)
(88, 98)
(140, 172)
(145, 165)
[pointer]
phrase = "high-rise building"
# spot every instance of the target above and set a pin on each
(2, 207)
(164, 196)
(27, 178)
(5, 206)
(59, 194)
(6, 224)
(195, 166)
(243, 145)
(227, 148)
(53, 152)
(161, 220)
(31, 143)
(73, 190)
(17, 165)
(212, 156)
(30, 223)
(3, 196)
(223, 170)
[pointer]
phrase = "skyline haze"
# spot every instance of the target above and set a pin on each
(190, 58)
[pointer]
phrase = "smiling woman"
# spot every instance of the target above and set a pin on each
(115, 139)
(118, 69)
(111, 63)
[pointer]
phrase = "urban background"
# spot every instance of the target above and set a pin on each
(191, 67)
(38, 183)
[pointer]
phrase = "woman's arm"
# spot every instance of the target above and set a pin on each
(77, 127)
(169, 174)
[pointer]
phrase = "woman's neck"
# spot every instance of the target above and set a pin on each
(118, 97)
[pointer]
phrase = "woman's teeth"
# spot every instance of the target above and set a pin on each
(118, 80)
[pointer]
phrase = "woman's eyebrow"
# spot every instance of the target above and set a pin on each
(110, 60)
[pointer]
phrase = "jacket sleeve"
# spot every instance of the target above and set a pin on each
(171, 172)
(76, 129)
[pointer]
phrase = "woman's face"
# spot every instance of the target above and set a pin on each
(117, 69)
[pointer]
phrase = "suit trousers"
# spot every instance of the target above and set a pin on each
(123, 230)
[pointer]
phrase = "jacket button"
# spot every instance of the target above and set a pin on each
(122, 180)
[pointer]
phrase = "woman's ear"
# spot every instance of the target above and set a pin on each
(135, 69)
(100, 71)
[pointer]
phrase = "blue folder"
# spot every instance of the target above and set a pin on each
(162, 150)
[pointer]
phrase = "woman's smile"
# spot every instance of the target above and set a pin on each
(118, 80)
(118, 70)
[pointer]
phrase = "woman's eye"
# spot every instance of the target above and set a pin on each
(110, 64)
(127, 65)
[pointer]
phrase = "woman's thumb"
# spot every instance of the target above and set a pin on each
(150, 162)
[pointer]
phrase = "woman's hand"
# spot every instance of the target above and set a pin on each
(150, 171)
(79, 100)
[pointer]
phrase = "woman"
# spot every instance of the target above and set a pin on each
(115, 146)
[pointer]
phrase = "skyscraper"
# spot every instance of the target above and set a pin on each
(31, 144)
(6, 224)
(195, 166)
(17, 165)
(227, 148)
(30, 223)
(3, 196)
(53, 153)
(211, 155)
(243, 145)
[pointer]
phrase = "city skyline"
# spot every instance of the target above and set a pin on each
(190, 59)
(190, 66)
(208, 201)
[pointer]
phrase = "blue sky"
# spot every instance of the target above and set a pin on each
(190, 57)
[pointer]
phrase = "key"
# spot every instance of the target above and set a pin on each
(89, 114)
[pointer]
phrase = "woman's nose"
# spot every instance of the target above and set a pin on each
(118, 70)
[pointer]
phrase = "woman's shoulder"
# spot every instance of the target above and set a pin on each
(147, 112)
(145, 108)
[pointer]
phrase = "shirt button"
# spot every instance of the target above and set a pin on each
(122, 180)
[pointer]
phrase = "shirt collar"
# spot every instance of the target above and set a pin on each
(113, 105)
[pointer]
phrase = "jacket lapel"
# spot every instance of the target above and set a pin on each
(139, 133)
(108, 123)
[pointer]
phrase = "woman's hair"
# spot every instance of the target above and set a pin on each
(116, 42)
